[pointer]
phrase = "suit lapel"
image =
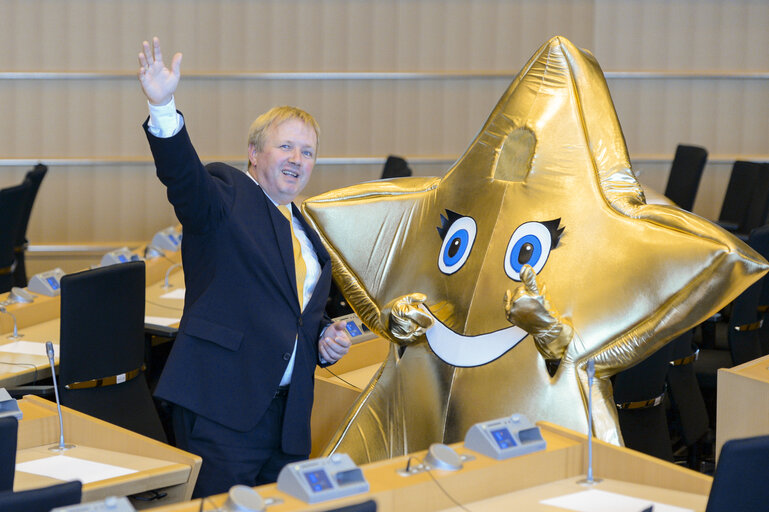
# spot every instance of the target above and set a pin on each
(282, 232)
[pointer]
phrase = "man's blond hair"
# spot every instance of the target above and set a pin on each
(257, 134)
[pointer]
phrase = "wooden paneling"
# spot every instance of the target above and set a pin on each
(468, 52)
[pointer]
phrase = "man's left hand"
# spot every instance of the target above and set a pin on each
(334, 343)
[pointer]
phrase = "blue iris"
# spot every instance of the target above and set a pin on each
(526, 251)
(456, 248)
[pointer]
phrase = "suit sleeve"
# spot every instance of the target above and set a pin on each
(198, 201)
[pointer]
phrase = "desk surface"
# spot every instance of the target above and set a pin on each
(156, 465)
(525, 480)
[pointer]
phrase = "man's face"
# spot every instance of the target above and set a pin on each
(284, 165)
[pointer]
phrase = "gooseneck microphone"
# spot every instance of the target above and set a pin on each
(166, 284)
(15, 335)
(61, 446)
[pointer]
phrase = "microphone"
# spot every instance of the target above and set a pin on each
(166, 284)
(61, 446)
(15, 335)
(590, 375)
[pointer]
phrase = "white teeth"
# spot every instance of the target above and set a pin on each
(290, 173)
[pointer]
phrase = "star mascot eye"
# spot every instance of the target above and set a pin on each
(457, 243)
(530, 245)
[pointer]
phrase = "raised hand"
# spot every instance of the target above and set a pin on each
(158, 82)
(530, 310)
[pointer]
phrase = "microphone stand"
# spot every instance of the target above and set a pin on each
(590, 374)
(61, 446)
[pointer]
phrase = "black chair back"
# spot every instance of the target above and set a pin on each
(638, 392)
(42, 499)
(685, 173)
(34, 177)
(366, 506)
(9, 429)
(102, 347)
(745, 320)
(743, 183)
(12, 201)
(739, 483)
(395, 167)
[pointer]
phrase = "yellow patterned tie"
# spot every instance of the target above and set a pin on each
(299, 265)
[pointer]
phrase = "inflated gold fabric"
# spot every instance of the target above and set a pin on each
(537, 249)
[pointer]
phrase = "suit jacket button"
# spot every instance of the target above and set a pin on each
(286, 356)
(300, 321)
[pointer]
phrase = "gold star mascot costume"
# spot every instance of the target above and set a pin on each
(534, 253)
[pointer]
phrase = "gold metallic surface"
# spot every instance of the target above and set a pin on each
(547, 182)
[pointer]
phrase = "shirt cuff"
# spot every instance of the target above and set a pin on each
(165, 121)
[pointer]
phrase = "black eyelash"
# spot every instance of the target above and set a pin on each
(555, 231)
(446, 222)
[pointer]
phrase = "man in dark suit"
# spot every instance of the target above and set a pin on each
(257, 277)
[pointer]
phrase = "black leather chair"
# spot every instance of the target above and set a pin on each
(736, 341)
(366, 506)
(639, 393)
(685, 174)
(9, 429)
(740, 483)
(102, 347)
(34, 177)
(12, 201)
(746, 201)
(396, 167)
(42, 499)
(688, 415)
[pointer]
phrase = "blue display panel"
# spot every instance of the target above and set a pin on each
(318, 480)
(504, 438)
(353, 329)
(53, 282)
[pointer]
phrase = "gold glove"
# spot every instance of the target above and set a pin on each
(530, 310)
(407, 321)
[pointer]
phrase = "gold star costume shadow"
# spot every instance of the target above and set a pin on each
(545, 189)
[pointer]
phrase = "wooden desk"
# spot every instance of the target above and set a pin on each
(158, 466)
(530, 478)
(39, 321)
(742, 407)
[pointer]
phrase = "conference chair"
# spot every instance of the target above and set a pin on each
(746, 200)
(12, 200)
(688, 412)
(639, 393)
(739, 483)
(102, 347)
(9, 429)
(734, 342)
(34, 177)
(366, 506)
(685, 173)
(396, 167)
(42, 499)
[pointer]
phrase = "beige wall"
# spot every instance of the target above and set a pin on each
(69, 96)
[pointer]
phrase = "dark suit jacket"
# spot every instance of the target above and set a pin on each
(241, 311)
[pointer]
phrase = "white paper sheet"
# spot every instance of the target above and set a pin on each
(178, 293)
(31, 348)
(603, 501)
(63, 467)
(160, 320)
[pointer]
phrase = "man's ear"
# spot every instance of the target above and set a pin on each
(252, 154)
